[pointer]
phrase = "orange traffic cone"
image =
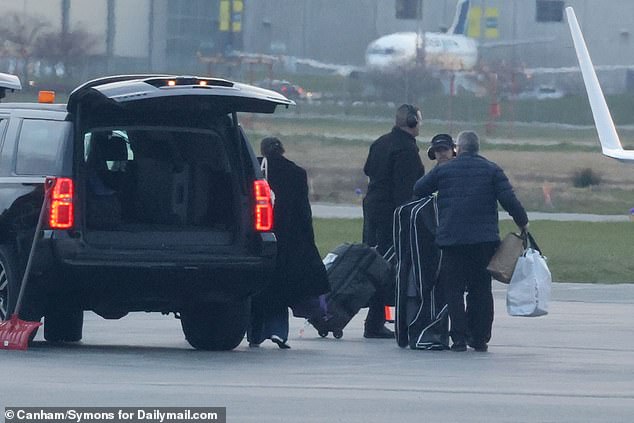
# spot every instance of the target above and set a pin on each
(389, 314)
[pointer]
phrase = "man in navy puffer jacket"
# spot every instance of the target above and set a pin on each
(469, 189)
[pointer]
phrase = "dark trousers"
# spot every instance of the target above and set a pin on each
(464, 268)
(377, 232)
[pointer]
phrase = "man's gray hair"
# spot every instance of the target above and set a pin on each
(403, 112)
(468, 142)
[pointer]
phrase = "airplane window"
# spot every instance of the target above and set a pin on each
(378, 50)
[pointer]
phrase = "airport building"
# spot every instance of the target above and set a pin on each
(170, 35)
(526, 34)
(136, 35)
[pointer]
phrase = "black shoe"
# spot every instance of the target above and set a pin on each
(479, 346)
(381, 333)
(280, 342)
(459, 347)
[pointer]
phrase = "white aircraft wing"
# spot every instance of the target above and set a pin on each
(343, 70)
(610, 142)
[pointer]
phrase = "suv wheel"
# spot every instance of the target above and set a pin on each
(63, 325)
(9, 285)
(216, 326)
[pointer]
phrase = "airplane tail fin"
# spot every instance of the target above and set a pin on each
(459, 25)
(608, 137)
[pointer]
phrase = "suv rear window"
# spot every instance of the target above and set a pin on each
(39, 146)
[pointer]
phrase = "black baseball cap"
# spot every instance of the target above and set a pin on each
(440, 141)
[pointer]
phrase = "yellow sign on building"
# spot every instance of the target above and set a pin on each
(225, 15)
(230, 17)
(236, 16)
(491, 22)
(491, 15)
(473, 22)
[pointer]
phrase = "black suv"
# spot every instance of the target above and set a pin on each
(158, 204)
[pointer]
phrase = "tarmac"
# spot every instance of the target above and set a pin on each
(574, 365)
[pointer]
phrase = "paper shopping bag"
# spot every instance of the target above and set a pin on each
(503, 262)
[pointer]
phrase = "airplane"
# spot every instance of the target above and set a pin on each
(451, 51)
(610, 143)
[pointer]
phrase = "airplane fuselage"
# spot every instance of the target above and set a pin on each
(404, 50)
(450, 52)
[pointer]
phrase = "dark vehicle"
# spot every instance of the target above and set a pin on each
(158, 205)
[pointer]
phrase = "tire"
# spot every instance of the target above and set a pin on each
(215, 326)
(63, 325)
(9, 281)
(338, 334)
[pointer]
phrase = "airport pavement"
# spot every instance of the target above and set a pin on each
(574, 365)
(353, 211)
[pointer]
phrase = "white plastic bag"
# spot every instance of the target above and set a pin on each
(528, 293)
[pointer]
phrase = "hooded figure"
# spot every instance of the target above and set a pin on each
(299, 263)
(300, 273)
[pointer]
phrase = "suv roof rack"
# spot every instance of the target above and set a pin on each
(130, 88)
(116, 78)
(150, 78)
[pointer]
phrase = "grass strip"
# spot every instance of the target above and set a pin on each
(576, 251)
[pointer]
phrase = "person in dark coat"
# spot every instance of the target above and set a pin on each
(393, 166)
(300, 273)
(469, 189)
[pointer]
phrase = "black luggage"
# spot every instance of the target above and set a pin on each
(422, 319)
(354, 273)
(311, 308)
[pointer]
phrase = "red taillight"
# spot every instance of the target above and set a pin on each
(61, 215)
(263, 206)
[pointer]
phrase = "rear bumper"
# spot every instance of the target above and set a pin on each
(188, 263)
(56, 248)
(116, 291)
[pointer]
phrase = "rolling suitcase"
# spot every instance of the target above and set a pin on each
(354, 272)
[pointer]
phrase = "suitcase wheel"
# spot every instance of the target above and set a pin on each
(323, 334)
(337, 334)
